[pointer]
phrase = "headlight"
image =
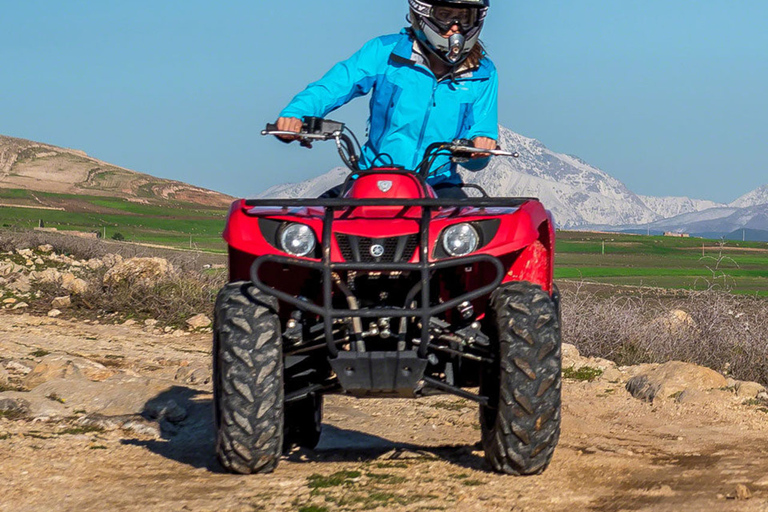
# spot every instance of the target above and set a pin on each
(460, 240)
(297, 239)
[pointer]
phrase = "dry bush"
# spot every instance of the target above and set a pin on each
(171, 300)
(87, 248)
(725, 332)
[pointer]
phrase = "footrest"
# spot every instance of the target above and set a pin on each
(376, 373)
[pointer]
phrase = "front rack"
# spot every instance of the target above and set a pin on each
(423, 265)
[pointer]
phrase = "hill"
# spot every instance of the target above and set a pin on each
(34, 166)
(65, 189)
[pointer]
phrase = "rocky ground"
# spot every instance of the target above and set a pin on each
(118, 417)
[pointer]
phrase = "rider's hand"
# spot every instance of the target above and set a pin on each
(483, 143)
(288, 124)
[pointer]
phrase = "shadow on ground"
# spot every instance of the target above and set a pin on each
(192, 440)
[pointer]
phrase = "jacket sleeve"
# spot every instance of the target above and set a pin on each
(345, 81)
(484, 120)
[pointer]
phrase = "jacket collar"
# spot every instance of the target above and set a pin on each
(408, 49)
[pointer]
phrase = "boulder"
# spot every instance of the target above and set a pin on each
(4, 377)
(145, 271)
(59, 366)
(118, 395)
(20, 284)
(45, 248)
(54, 313)
(73, 284)
(670, 379)
(12, 406)
(94, 264)
(110, 260)
(20, 305)
(61, 302)
(199, 321)
(748, 389)
(49, 275)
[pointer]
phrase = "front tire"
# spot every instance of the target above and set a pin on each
(248, 380)
(521, 424)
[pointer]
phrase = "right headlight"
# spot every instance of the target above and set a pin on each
(297, 239)
(460, 239)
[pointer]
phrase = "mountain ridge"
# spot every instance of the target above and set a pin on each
(42, 167)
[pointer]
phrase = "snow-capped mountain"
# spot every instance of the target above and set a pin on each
(576, 192)
(756, 197)
(669, 206)
(582, 196)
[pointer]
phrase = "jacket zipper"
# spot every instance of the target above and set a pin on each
(426, 119)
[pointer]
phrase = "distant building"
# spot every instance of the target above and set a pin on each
(678, 235)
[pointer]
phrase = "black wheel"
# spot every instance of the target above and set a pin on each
(521, 424)
(303, 422)
(247, 380)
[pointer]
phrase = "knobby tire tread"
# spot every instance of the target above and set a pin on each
(248, 380)
(521, 426)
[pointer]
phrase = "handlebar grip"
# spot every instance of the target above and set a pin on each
(271, 127)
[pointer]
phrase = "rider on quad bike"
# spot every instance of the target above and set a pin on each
(396, 284)
(432, 82)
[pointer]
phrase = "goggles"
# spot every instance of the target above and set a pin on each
(446, 17)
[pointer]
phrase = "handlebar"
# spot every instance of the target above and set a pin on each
(318, 129)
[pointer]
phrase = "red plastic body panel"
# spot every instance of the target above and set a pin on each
(524, 240)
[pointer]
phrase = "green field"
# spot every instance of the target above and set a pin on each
(667, 262)
(172, 224)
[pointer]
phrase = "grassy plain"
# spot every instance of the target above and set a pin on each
(666, 262)
(172, 224)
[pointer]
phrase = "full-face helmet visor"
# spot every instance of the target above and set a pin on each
(446, 17)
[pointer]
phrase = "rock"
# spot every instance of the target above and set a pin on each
(669, 379)
(27, 253)
(110, 260)
(4, 377)
(199, 321)
(49, 275)
(570, 356)
(54, 313)
(18, 367)
(58, 366)
(20, 284)
(743, 492)
(61, 302)
(194, 375)
(150, 322)
(9, 300)
(748, 389)
(73, 284)
(13, 407)
(142, 270)
(39, 261)
(94, 264)
(132, 422)
(165, 409)
(20, 305)
(118, 395)
(676, 320)
(45, 248)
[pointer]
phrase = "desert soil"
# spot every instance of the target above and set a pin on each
(616, 453)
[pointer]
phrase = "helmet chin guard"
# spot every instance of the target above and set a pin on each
(429, 31)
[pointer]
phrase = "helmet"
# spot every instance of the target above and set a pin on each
(431, 19)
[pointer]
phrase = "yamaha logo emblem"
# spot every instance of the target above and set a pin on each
(385, 186)
(377, 250)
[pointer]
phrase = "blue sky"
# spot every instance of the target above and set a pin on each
(668, 96)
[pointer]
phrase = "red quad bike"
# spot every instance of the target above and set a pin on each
(386, 291)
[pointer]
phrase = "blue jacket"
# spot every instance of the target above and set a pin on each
(410, 108)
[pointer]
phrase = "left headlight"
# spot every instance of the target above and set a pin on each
(297, 239)
(460, 239)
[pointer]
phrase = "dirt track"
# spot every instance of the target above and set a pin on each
(616, 453)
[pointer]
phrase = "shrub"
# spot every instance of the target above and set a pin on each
(726, 332)
(118, 237)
